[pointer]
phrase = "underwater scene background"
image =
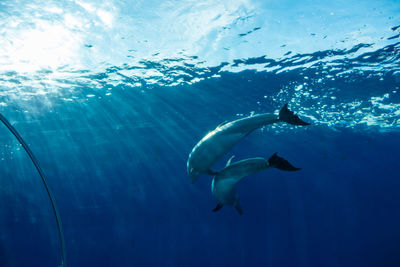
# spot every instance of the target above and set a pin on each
(111, 96)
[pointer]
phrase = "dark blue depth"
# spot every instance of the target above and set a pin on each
(117, 166)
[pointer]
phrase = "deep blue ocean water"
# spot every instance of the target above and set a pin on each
(112, 97)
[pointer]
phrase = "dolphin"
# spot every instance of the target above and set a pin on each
(218, 142)
(223, 185)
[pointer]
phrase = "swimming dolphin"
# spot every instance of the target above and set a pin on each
(219, 141)
(223, 185)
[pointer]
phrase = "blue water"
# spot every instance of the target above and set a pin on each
(112, 97)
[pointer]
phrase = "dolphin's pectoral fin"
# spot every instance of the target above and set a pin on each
(288, 116)
(218, 207)
(238, 208)
(229, 161)
(281, 163)
(211, 172)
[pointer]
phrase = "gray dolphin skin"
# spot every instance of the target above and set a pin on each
(218, 142)
(223, 185)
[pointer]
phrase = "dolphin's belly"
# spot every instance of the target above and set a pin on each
(210, 149)
(224, 191)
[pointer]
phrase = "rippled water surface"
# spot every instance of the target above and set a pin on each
(112, 96)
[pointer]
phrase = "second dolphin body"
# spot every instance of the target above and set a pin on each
(223, 185)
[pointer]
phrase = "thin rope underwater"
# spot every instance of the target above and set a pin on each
(44, 180)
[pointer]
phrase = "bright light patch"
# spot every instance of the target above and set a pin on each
(55, 10)
(44, 47)
(86, 6)
(106, 17)
(72, 21)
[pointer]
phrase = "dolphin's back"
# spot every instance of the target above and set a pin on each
(249, 124)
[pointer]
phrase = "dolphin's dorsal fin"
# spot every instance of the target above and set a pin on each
(229, 161)
(218, 207)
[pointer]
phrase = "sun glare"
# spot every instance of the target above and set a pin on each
(44, 47)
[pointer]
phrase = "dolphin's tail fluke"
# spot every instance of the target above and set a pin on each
(288, 116)
(281, 163)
